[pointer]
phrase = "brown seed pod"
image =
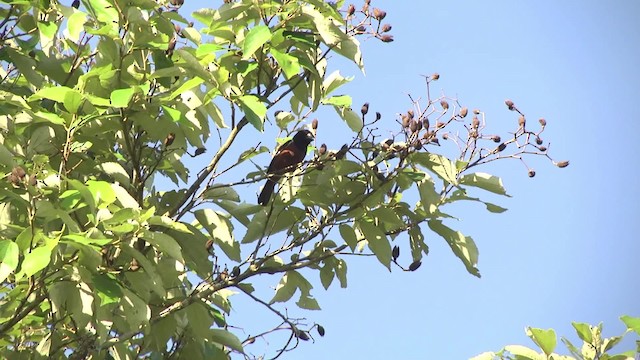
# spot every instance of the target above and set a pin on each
(342, 152)
(435, 140)
(435, 76)
(415, 265)
(444, 104)
(542, 148)
(321, 330)
(177, 2)
(314, 124)
(385, 28)
(509, 104)
(379, 14)
(378, 116)
(32, 180)
(177, 28)
(75, 4)
(351, 10)
(440, 125)
(368, 2)
(169, 139)
(562, 164)
(522, 121)
(405, 121)
(171, 46)
(323, 149)
(413, 126)
(395, 252)
(361, 29)
(386, 38)
(531, 173)
(463, 112)
(425, 123)
(364, 109)
(445, 136)
(18, 172)
(199, 151)
(410, 114)
(302, 335)
(476, 111)
(209, 246)
(496, 138)
(475, 123)
(538, 140)
(501, 147)
(365, 9)
(542, 122)
(418, 145)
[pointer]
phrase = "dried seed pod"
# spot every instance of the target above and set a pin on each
(425, 123)
(417, 145)
(171, 46)
(365, 9)
(378, 116)
(314, 124)
(476, 111)
(321, 330)
(13, 179)
(235, 271)
(323, 149)
(364, 109)
(522, 121)
(501, 147)
(435, 140)
(415, 265)
(509, 104)
(531, 173)
(542, 122)
(562, 164)
(199, 151)
(538, 140)
(435, 76)
(395, 252)
(463, 112)
(368, 2)
(302, 335)
(32, 180)
(440, 125)
(169, 139)
(410, 114)
(361, 29)
(18, 172)
(190, 23)
(386, 38)
(75, 4)
(419, 124)
(542, 148)
(379, 14)
(342, 152)
(413, 126)
(177, 28)
(351, 10)
(177, 2)
(405, 121)
(385, 28)
(444, 104)
(475, 123)
(445, 136)
(496, 138)
(209, 246)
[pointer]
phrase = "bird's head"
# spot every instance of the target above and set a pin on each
(303, 138)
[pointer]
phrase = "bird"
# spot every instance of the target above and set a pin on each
(285, 160)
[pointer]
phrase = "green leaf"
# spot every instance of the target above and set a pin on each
(55, 93)
(289, 64)
(8, 258)
(349, 236)
(334, 81)
(350, 117)
(221, 230)
(120, 98)
(284, 290)
(75, 25)
(522, 352)
(256, 37)
(545, 339)
(35, 261)
(584, 331)
(339, 100)
(439, 164)
(164, 243)
(107, 288)
(485, 181)
(221, 192)
(377, 242)
(633, 323)
(72, 101)
(254, 110)
(463, 246)
(226, 338)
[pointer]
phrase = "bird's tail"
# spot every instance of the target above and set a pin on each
(266, 192)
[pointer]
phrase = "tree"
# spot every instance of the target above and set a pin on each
(106, 101)
(594, 346)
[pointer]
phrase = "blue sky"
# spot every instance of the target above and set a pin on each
(567, 248)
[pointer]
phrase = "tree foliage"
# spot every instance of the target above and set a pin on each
(112, 245)
(594, 345)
